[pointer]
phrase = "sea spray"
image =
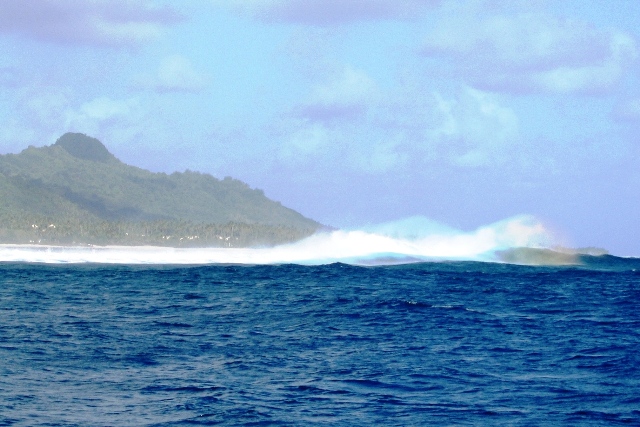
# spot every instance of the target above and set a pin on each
(408, 240)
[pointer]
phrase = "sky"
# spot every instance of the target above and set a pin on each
(352, 112)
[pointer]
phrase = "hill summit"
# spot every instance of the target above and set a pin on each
(75, 191)
(84, 147)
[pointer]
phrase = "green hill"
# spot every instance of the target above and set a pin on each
(75, 192)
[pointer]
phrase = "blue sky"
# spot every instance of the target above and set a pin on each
(352, 112)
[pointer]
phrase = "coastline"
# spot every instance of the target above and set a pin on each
(320, 249)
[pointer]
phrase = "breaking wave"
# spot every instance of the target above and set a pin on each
(413, 239)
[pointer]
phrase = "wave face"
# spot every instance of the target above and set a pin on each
(413, 239)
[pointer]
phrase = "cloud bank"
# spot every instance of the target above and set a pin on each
(114, 23)
(532, 52)
(328, 12)
(175, 74)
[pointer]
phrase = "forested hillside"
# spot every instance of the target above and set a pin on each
(76, 192)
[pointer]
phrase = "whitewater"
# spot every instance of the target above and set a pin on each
(413, 239)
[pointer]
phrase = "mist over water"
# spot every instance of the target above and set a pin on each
(408, 240)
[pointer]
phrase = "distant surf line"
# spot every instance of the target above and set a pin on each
(414, 239)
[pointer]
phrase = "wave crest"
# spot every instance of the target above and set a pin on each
(409, 240)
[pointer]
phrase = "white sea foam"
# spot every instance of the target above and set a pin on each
(414, 239)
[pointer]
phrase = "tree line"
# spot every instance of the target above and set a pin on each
(173, 233)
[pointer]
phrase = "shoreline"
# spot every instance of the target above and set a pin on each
(362, 250)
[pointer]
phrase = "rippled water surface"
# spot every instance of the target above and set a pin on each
(421, 344)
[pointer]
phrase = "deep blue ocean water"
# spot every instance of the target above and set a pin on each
(409, 345)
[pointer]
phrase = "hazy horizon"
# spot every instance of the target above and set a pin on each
(351, 112)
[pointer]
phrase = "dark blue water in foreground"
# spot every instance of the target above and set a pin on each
(422, 344)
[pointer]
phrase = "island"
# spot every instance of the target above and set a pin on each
(75, 192)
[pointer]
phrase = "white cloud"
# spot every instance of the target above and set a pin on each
(595, 77)
(471, 129)
(328, 12)
(350, 87)
(345, 96)
(332, 125)
(125, 126)
(175, 74)
(40, 114)
(347, 147)
(44, 105)
(92, 22)
(93, 116)
(531, 52)
(306, 141)
(124, 33)
(474, 129)
(32, 115)
(380, 157)
(104, 117)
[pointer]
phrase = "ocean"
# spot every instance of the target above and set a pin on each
(415, 344)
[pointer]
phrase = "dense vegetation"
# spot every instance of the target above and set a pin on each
(76, 192)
